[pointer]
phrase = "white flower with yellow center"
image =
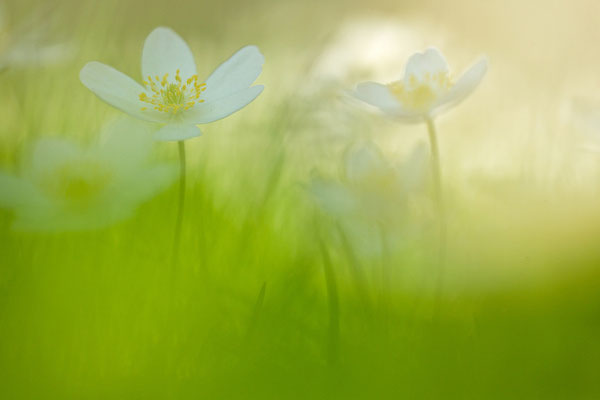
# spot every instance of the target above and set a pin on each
(64, 187)
(373, 196)
(172, 94)
(426, 89)
(370, 187)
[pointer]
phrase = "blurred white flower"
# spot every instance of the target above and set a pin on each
(370, 187)
(27, 43)
(425, 90)
(375, 201)
(64, 187)
(172, 94)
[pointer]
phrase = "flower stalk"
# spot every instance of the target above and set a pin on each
(439, 205)
(180, 203)
(426, 90)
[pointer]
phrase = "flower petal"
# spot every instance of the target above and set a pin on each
(235, 74)
(333, 197)
(126, 144)
(463, 87)
(364, 161)
(118, 90)
(431, 61)
(212, 111)
(22, 56)
(47, 155)
(165, 52)
(177, 132)
(379, 96)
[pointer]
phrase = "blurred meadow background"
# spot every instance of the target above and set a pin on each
(248, 310)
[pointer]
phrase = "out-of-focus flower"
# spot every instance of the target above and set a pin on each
(371, 187)
(425, 90)
(172, 93)
(374, 197)
(362, 48)
(64, 187)
(27, 43)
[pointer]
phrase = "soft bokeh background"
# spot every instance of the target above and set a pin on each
(245, 315)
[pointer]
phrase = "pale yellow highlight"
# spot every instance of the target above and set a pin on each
(420, 95)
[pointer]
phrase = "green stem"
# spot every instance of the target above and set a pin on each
(355, 268)
(256, 312)
(386, 261)
(333, 336)
(440, 208)
(181, 203)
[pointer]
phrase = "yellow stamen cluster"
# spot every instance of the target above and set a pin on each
(78, 182)
(419, 94)
(173, 97)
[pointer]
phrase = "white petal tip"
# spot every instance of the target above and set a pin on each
(433, 50)
(252, 49)
(162, 30)
(86, 70)
(175, 132)
(483, 63)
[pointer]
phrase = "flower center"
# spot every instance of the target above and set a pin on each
(420, 94)
(79, 182)
(173, 97)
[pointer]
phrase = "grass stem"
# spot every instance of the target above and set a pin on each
(440, 210)
(333, 336)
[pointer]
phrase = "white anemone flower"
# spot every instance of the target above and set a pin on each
(426, 89)
(172, 93)
(373, 197)
(370, 187)
(64, 187)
